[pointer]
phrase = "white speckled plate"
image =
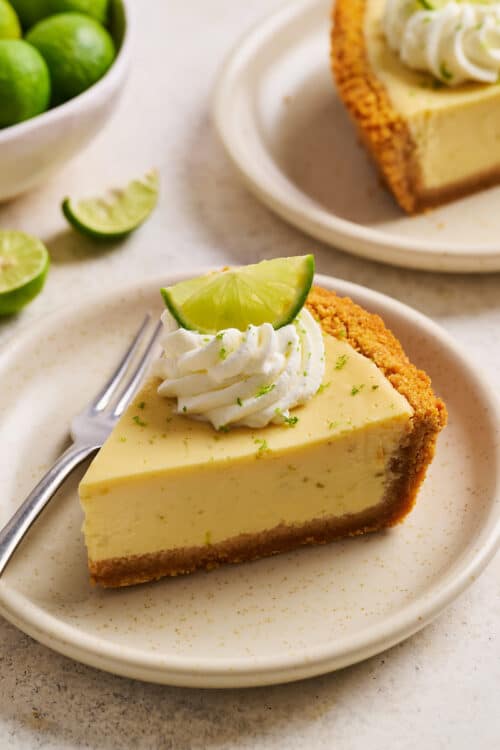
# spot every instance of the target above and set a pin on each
(279, 619)
(287, 132)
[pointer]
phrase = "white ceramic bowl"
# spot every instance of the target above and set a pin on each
(32, 150)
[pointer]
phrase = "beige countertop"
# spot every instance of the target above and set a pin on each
(439, 689)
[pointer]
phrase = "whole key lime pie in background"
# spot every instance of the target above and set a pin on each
(266, 424)
(420, 81)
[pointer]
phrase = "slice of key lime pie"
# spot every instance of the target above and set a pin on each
(267, 424)
(420, 81)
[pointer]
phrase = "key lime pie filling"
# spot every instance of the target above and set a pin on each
(420, 81)
(246, 443)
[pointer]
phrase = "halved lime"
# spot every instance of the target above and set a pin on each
(117, 215)
(273, 291)
(24, 262)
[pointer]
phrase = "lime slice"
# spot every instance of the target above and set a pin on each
(273, 291)
(24, 263)
(117, 215)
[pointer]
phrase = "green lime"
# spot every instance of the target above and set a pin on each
(119, 214)
(24, 262)
(97, 9)
(24, 82)
(273, 291)
(32, 11)
(10, 28)
(77, 50)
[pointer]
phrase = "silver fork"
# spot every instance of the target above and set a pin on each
(89, 430)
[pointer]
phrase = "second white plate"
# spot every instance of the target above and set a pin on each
(287, 132)
(275, 620)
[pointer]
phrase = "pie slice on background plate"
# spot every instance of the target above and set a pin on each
(433, 136)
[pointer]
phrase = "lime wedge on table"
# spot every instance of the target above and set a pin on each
(24, 263)
(118, 214)
(272, 291)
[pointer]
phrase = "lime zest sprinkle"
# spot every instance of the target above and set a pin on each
(445, 71)
(341, 361)
(324, 386)
(357, 389)
(239, 401)
(139, 421)
(142, 405)
(265, 389)
(290, 421)
(263, 446)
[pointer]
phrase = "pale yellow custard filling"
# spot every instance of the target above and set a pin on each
(164, 482)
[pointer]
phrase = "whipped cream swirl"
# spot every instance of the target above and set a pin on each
(237, 378)
(455, 43)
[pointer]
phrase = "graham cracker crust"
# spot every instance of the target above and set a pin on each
(365, 332)
(127, 571)
(381, 128)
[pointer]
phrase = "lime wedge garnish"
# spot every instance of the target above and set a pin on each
(116, 215)
(24, 262)
(273, 291)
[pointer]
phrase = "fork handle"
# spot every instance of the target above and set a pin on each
(15, 529)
